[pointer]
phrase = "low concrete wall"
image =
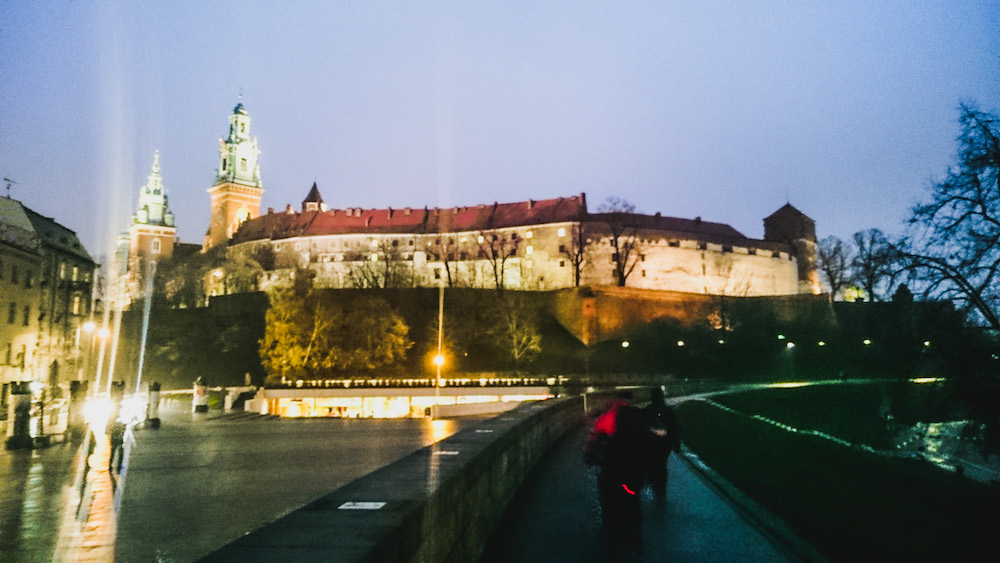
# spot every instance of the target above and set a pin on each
(438, 504)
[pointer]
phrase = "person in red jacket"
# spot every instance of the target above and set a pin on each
(616, 446)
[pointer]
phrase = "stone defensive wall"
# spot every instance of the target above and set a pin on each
(598, 313)
(439, 504)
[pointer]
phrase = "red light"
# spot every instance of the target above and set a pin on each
(628, 490)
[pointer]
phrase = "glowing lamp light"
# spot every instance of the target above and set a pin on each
(790, 345)
(680, 343)
(103, 333)
(374, 257)
(89, 327)
(625, 344)
(821, 343)
(96, 412)
(867, 342)
(927, 343)
(722, 341)
(439, 360)
(781, 337)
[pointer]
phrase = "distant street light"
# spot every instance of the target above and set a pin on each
(625, 344)
(680, 343)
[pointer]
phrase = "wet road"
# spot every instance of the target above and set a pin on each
(189, 487)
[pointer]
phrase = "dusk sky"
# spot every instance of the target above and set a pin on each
(724, 110)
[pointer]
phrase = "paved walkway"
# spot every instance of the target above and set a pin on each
(556, 518)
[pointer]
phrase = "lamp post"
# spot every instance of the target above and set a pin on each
(439, 358)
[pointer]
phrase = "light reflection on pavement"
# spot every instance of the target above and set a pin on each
(189, 487)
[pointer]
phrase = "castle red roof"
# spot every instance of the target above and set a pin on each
(454, 219)
(288, 224)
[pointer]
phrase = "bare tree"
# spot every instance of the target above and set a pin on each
(577, 251)
(872, 266)
(497, 248)
(445, 250)
(953, 247)
(618, 214)
(519, 333)
(384, 267)
(834, 260)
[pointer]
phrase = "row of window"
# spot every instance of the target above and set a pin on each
(374, 243)
(12, 314)
(15, 275)
(13, 309)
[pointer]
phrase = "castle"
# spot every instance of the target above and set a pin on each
(529, 245)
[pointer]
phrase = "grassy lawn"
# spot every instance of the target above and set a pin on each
(851, 505)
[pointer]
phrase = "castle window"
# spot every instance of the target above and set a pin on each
(224, 162)
(437, 273)
(29, 279)
(395, 243)
(644, 273)
(12, 313)
(76, 304)
(702, 245)
(155, 247)
(27, 315)
(243, 127)
(562, 248)
(62, 270)
(529, 234)
(562, 263)
(561, 232)
(411, 243)
(13, 274)
(752, 251)
(10, 354)
(727, 248)
(528, 250)
(642, 257)
(243, 164)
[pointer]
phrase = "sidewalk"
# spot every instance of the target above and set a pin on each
(555, 517)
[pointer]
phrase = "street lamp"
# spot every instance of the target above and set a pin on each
(439, 358)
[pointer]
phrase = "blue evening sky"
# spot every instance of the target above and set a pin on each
(724, 110)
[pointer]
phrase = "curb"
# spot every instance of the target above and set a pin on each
(774, 529)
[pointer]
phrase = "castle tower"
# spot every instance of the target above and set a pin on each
(152, 234)
(792, 227)
(237, 190)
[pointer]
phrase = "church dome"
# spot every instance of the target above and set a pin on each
(240, 109)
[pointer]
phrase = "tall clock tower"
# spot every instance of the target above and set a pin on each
(237, 190)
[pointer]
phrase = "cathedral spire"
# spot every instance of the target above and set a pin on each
(238, 152)
(152, 205)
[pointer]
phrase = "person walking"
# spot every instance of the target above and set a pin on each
(663, 437)
(615, 446)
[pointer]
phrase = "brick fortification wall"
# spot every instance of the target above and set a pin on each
(595, 314)
(440, 503)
